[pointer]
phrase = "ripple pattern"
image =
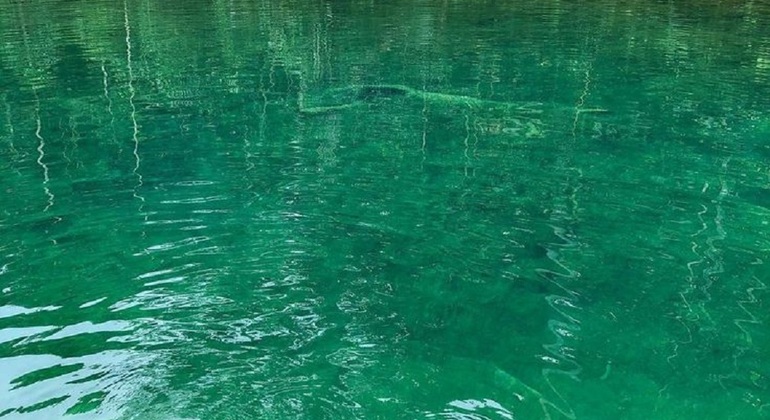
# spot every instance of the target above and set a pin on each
(236, 210)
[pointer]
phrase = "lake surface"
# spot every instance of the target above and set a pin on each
(406, 209)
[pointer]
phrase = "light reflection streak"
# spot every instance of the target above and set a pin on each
(9, 122)
(105, 83)
(38, 129)
(132, 94)
(41, 154)
(110, 377)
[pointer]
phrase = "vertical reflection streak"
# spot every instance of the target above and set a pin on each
(558, 352)
(38, 121)
(9, 122)
(41, 154)
(105, 83)
(106, 89)
(582, 99)
(132, 94)
(465, 144)
(424, 121)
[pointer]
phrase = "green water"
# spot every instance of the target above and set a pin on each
(384, 210)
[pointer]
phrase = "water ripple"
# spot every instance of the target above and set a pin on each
(519, 210)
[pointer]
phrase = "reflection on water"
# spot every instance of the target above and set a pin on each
(288, 210)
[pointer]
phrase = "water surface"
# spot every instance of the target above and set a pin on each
(332, 210)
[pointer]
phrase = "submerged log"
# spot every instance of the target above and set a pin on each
(352, 96)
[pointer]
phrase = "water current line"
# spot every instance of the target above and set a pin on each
(132, 94)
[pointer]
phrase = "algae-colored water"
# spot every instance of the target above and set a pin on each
(384, 210)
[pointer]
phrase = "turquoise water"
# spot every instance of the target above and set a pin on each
(405, 209)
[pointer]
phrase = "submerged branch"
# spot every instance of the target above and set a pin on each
(355, 95)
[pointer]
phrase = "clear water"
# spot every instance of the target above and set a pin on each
(406, 209)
